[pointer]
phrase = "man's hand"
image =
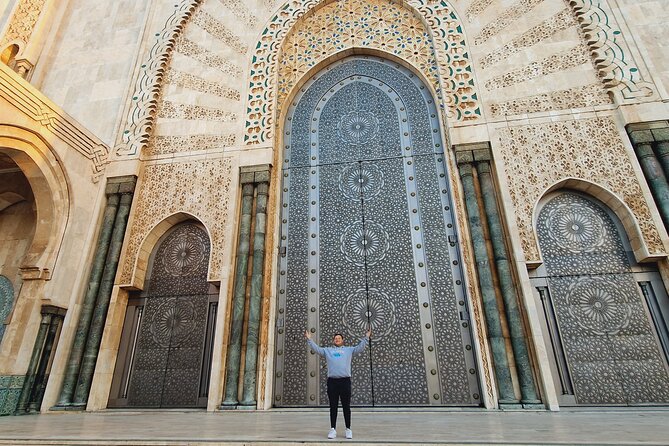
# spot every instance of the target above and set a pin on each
(369, 334)
(307, 334)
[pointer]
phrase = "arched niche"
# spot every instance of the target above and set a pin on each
(622, 211)
(50, 189)
(150, 242)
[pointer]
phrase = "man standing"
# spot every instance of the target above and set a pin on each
(339, 377)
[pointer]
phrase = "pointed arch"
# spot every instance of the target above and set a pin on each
(43, 170)
(151, 240)
(612, 201)
(460, 96)
(452, 68)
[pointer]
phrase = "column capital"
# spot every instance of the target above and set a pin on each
(641, 137)
(121, 185)
(483, 167)
(259, 173)
(54, 310)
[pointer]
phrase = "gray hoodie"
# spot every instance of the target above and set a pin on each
(339, 358)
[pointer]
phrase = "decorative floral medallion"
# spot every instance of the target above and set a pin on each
(576, 228)
(368, 309)
(173, 322)
(597, 306)
(358, 127)
(366, 242)
(184, 252)
(358, 180)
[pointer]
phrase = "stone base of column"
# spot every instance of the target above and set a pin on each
(229, 405)
(510, 405)
(534, 406)
(525, 401)
(70, 408)
(248, 406)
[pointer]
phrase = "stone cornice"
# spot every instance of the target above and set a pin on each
(29, 100)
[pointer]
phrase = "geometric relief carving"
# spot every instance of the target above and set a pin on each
(239, 10)
(612, 58)
(187, 47)
(555, 63)
(476, 7)
(172, 110)
(220, 31)
(609, 344)
(161, 144)
(340, 25)
(23, 22)
(387, 26)
(505, 18)
(560, 21)
(162, 194)
(540, 155)
(139, 121)
(577, 97)
(191, 82)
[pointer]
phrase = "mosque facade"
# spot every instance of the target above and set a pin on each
(188, 186)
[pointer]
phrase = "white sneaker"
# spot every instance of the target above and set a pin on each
(332, 434)
(349, 434)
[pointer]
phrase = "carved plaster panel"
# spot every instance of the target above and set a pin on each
(23, 22)
(340, 25)
(538, 156)
(577, 97)
(457, 82)
(162, 194)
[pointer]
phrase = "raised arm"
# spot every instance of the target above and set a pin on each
(318, 349)
(363, 343)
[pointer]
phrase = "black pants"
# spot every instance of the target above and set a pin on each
(340, 388)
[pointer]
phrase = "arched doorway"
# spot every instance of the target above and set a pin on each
(18, 219)
(368, 237)
(164, 358)
(599, 307)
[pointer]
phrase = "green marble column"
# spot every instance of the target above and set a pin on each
(652, 170)
(257, 276)
(239, 298)
(31, 374)
(104, 295)
(662, 150)
(509, 293)
(39, 387)
(492, 316)
(88, 304)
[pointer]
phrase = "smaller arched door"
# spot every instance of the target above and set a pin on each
(599, 307)
(164, 359)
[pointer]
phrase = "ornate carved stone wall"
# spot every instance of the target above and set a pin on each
(455, 88)
(373, 24)
(163, 192)
(454, 67)
(567, 52)
(23, 22)
(538, 156)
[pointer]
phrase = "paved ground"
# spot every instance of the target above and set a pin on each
(306, 427)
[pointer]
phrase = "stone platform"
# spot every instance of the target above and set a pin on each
(370, 426)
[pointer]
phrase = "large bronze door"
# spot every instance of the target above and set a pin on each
(368, 239)
(166, 345)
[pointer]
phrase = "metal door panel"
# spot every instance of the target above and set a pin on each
(341, 271)
(168, 357)
(612, 353)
